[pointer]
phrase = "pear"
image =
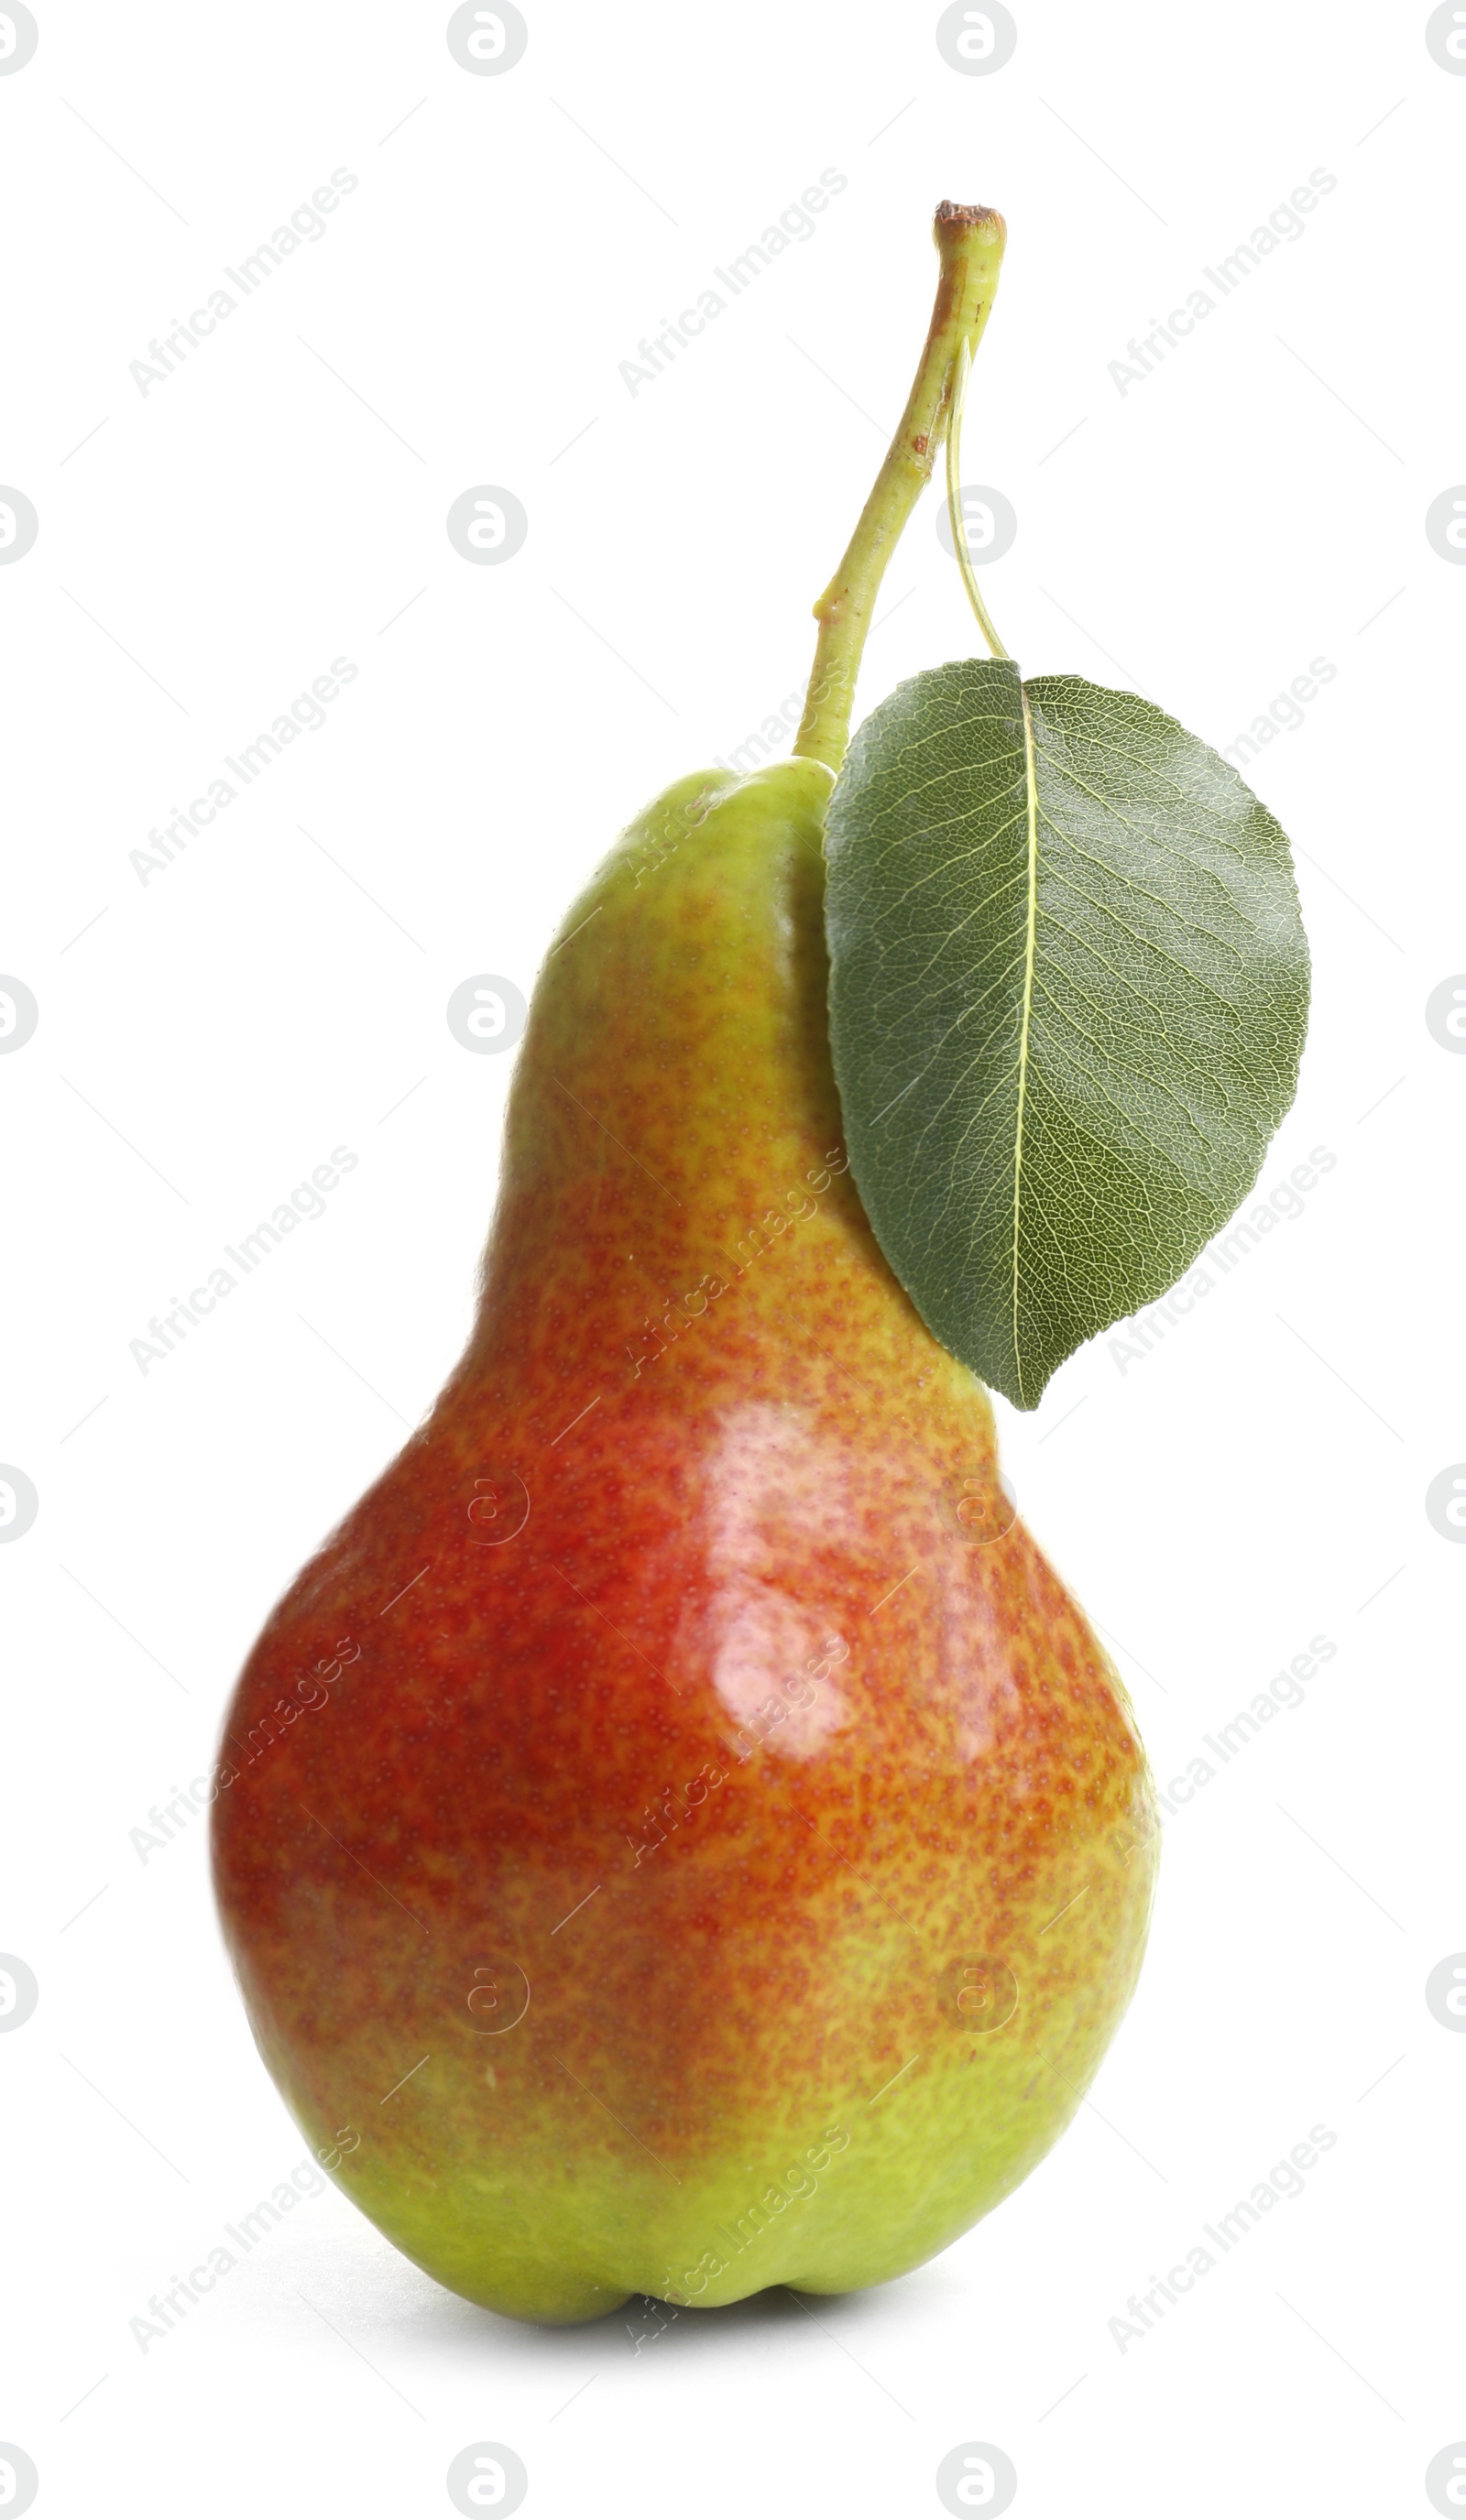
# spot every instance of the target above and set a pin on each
(705, 1793)
(679, 1835)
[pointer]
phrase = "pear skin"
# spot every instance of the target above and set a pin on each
(679, 1835)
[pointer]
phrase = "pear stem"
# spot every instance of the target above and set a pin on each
(970, 242)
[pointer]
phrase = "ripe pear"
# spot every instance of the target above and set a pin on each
(679, 1835)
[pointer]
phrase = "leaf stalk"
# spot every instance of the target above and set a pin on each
(957, 520)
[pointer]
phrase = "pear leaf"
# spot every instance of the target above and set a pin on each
(1068, 994)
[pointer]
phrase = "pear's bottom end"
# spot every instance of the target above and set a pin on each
(560, 2247)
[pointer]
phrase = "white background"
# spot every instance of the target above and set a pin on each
(206, 1038)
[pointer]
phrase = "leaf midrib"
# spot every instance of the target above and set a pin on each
(1031, 784)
